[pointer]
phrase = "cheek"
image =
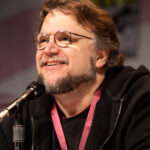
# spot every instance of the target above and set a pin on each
(80, 62)
(38, 59)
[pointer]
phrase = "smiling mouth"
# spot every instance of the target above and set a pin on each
(54, 63)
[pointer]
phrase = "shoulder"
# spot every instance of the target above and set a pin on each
(133, 87)
(119, 81)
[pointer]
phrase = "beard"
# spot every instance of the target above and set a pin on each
(69, 82)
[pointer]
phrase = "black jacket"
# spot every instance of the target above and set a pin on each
(121, 120)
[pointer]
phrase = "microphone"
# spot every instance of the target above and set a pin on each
(35, 89)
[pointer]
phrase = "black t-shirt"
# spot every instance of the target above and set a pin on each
(72, 128)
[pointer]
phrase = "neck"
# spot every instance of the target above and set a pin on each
(76, 101)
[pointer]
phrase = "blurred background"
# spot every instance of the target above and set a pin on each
(19, 20)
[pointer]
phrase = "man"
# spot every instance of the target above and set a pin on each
(92, 100)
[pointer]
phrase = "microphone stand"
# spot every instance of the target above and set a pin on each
(18, 129)
(35, 89)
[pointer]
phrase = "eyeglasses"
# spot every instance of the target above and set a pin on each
(62, 39)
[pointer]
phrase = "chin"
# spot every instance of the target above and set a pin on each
(49, 80)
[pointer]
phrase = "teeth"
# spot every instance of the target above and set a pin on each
(52, 64)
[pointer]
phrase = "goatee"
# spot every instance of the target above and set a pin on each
(70, 82)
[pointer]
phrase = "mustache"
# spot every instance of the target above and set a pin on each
(45, 59)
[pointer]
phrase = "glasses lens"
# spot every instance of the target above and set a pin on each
(62, 38)
(42, 41)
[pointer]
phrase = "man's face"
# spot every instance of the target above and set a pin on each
(65, 67)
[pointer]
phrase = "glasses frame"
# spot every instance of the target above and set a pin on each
(70, 39)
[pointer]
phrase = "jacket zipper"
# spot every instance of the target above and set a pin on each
(120, 108)
(33, 132)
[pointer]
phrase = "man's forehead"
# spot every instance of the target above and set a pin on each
(57, 20)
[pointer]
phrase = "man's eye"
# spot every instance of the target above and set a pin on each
(63, 38)
(43, 40)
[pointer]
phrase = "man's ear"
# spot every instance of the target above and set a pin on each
(101, 58)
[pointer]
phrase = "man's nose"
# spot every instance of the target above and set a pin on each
(51, 47)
